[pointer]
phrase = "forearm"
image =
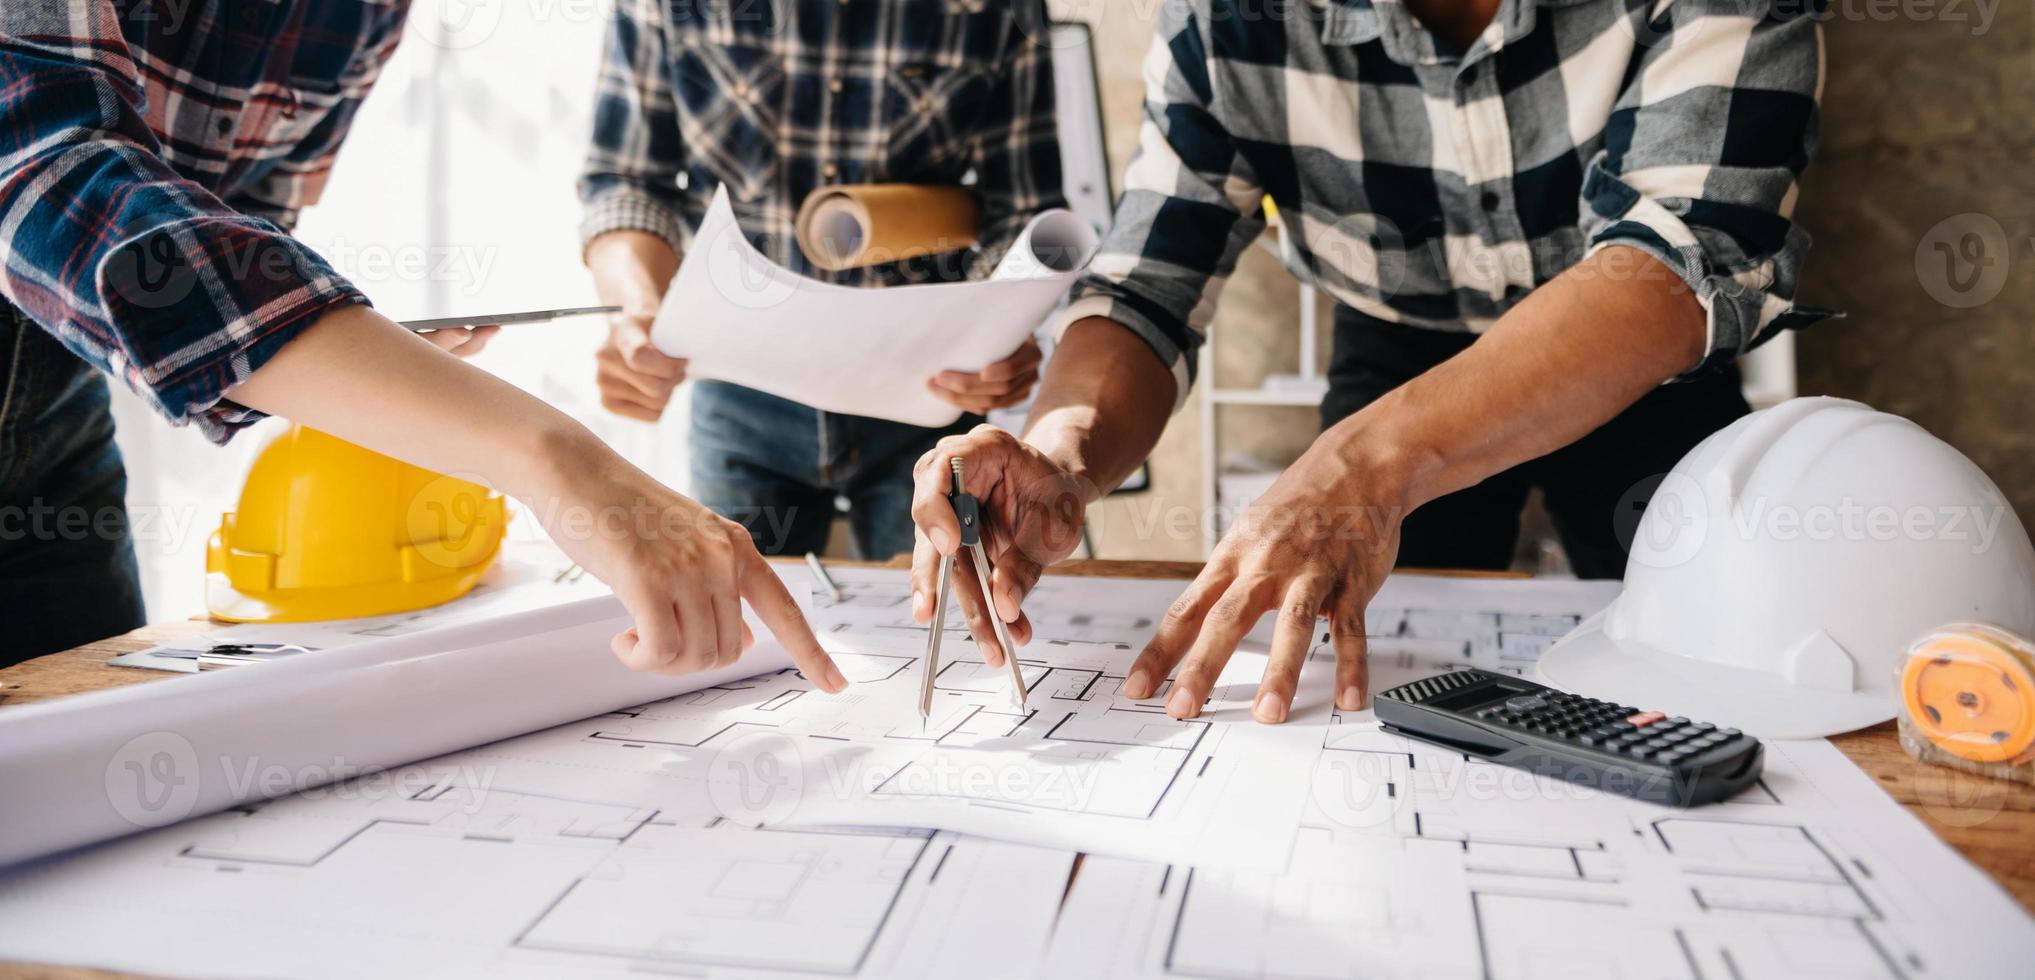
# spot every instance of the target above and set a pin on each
(359, 376)
(1102, 404)
(1569, 358)
(631, 269)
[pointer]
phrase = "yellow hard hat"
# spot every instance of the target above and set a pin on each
(328, 530)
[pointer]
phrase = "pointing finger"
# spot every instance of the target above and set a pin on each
(781, 614)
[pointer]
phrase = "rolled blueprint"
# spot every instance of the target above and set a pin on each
(741, 318)
(857, 225)
(85, 769)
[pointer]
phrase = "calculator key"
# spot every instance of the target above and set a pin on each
(1678, 721)
(1526, 702)
(1642, 719)
(1592, 739)
(1676, 756)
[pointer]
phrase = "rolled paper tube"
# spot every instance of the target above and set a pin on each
(854, 226)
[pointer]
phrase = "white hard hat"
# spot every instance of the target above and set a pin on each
(1784, 565)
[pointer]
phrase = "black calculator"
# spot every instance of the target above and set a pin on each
(1617, 748)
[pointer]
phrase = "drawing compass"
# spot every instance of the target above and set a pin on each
(968, 513)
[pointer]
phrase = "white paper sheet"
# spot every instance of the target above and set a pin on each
(737, 316)
(1417, 862)
(1080, 767)
(455, 869)
(85, 769)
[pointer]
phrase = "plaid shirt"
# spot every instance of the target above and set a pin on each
(152, 154)
(1437, 188)
(775, 99)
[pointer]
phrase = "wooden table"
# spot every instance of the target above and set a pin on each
(1990, 822)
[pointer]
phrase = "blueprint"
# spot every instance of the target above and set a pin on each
(1081, 766)
(700, 833)
(755, 827)
(1413, 861)
(444, 870)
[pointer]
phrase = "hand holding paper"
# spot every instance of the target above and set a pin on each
(1003, 384)
(736, 316)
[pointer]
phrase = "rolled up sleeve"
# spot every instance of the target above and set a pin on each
(630, 181)
(141, 272)
(1189, 209)
(1702, 158)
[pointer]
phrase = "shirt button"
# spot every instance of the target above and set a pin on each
(834, 85)
(224, 125)
(1491, 200)
(829, 170)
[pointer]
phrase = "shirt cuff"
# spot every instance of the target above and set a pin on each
(1179, 361)
(205, 385)
(627, 209)
(183, 332)
(1741, 309)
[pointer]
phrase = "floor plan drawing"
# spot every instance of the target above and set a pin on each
(755, 827)
(1414, 861)
(434, 870)
(1080, 761)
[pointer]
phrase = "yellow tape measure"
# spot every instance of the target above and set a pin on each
(1967, 699)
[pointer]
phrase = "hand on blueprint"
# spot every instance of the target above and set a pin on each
(681, 570)
(1031, 517)
(1310, 548)
(634, 377)
(1003, 384)
(462, 341)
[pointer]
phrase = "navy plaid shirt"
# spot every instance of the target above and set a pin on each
(152, 155)
(1437, 188)
(776, 99)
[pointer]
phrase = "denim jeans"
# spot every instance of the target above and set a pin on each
(777, 466)
(67, 571)
(1594, 489)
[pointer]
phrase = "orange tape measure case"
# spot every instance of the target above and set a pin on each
(1967, 701)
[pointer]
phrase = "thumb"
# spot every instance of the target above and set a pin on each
(632, 336)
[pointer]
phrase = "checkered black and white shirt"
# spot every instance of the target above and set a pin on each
(1437, 188)
(774, 99)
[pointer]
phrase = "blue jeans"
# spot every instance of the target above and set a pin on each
(67, 571)
(776, 466)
